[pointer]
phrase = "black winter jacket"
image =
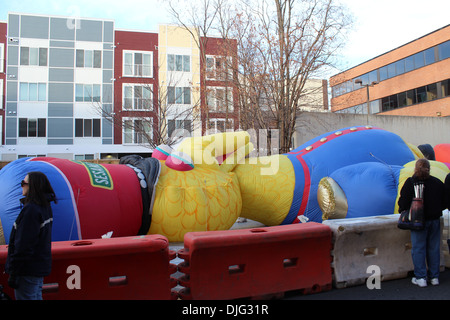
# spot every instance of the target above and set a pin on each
(29, 249)
(434, 197)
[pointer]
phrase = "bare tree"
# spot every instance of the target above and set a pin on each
(283, 44)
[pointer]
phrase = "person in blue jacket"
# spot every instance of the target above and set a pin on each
(29, 252)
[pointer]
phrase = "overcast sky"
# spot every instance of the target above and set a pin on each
(380, 25)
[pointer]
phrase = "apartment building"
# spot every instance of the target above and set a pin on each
(411, 80)
(80, 89)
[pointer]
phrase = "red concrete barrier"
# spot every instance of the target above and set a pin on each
(117, 268)
(254, 263)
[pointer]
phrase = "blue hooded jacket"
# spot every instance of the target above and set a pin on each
(29, 250)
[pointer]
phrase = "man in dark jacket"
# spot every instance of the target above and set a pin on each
(29, 250)
(425, 243)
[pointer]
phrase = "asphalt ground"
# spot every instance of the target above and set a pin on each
(398, 289)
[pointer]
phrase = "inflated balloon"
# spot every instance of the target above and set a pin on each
(442, 152)
(208, 182)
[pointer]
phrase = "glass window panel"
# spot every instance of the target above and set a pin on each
(138, 58)
(138, 131)
(179, 63)
(80, 58)
(96, 128)
(210, 99)
(147, 59)
(23, 92)
(374, 107)
(79, 92)
(43, 56)
(421, 94)
(96, 93)
(391, 70)
(373, 76)
(128, 97)
(385, 104)
(34, 56)
(147, 65)
(418, 60)
(128, 64)
(400, 66)
(128, 70)
(128, 131)
(88, 58)
(87, 92)
(402, 99)
(170, 95)
(147, 95)
(138, 97)
(97, 59)
(42, 92)
(409, 63)
(429, 56)
(178, 95)
(78, 127)
(33, 91)
(171, 62)
(24, 56)
(431, 91)
(23, 127)
(383, 73)
(146, 71)
(187, 63)
(444, 50)
(32, 127)
(445, 88)
(87, 130)
(365, 79)
(187, 95)
(410, 97)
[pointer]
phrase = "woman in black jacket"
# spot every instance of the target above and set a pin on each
(426, 242)
(29, 251)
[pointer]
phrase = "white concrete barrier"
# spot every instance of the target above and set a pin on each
(372, 241)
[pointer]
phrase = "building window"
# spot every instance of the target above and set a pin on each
(445, 86)
(137, 131)
(218, 68)
(33, 91)
(138, 64)
(137, 97)
(2, 57)
(89, 58)
(444, 50)
(84, 157)
(221, 125)
(87, 92)
(33, 56)
(178, 63)
(178, 95)
(32, 127)
(1, 94)
(87, 127)
(219, 98)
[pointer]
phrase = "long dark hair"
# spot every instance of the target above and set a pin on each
(422, 169)
(40, 190)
